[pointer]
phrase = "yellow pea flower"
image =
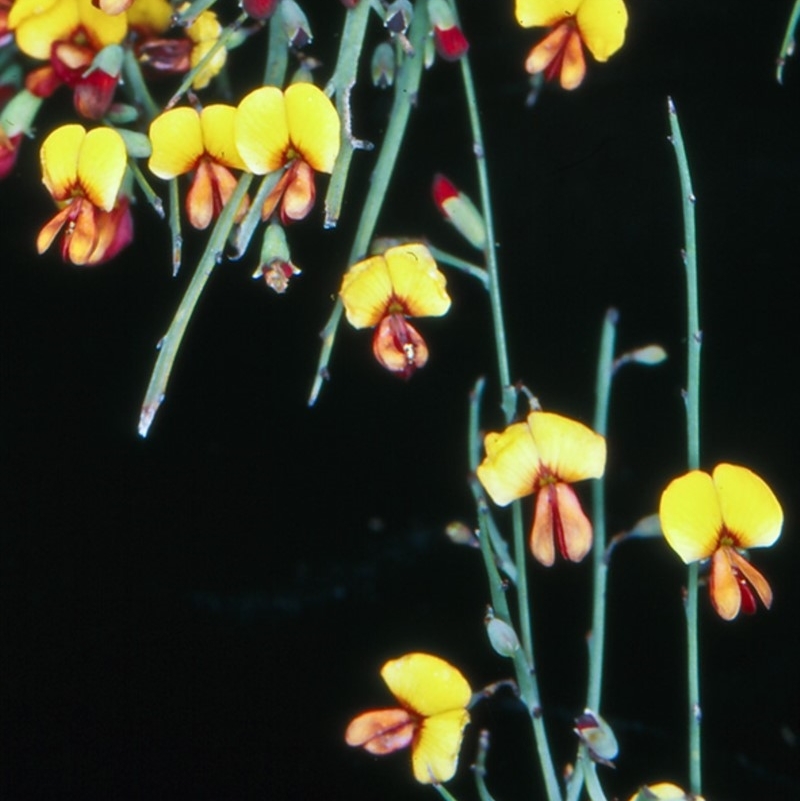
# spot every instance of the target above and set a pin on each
(598, 24)
(714, 516)
(83, 173)
(663, 791)
(298, 131)
(433, 697)
(546, 454)
(185, 140)
(382, 291)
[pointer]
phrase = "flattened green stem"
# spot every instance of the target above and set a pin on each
(692, 402)
(340, 85)
(524, 666)
(150, 194)
(136, 85)
(479, 768)
(277, 53)
(405, 95)
(169, 345)
(788, 44)
(175, 225)
(605, 371)
(444, 792)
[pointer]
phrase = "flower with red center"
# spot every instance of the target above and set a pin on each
(546, 454)
(297, 131)
(714, 517)
(382, 291)
(184, 140)
(83, 172)
(432, 716)
(598, 24)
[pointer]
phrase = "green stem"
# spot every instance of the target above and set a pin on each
(168, 348)
(788, 43)
(692, 402)
(479, 767)
(340, 85)
(443, 257)
(136, 85)
(444, 792)
(175, 225)
(605, 370)
(404, 99)
(277, 53)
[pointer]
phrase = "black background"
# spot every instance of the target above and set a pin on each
(198, 615)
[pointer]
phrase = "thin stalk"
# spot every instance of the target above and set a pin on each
(605, 370)
(443, 257)
(479, 767)
(788, 43)
(277, 53)
(524, 668)
(150, 194)
(340, 85)
(444, 792)
(175, 225)
(692, 403)
(136, 85)
(404, 99)
(169, 345)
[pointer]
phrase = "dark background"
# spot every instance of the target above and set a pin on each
(198, 615)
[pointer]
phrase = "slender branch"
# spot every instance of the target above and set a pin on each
(169, 345)
(443, 257)
(277, 53)
(692, 403)
(788, 43)
(405, 97)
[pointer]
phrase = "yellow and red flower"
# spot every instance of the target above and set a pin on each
(184, 140)
(83, 172)
(382, 291)
(714, 517)
(432, 716)
(664, 791)
(296, 130)
(599, 25)
(546, 454)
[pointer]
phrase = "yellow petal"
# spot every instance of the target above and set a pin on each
(750, 509)
(542, 539)
(544, 53)
(211, 68)
(512, 466)
(573, 65)
(101, 166)
(217, 124)
(80, 238)
(176, 137)
(602, 24)
(559, 521)
(39, 23)
(59, 159)
(381, 731)
(544, 13)
(417, 282)
(365, 292)
(261, 130)
(690, 516)
(151, 16)
(568, 449)
(314, 128)
(723, 585)
(51, 229)
(664, 791)
(101, 29)
(434, 754)
(426, 684)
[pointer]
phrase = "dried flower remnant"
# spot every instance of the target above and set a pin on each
(185, 140)
(546, 454)
(599, 25)
(382, 291)
(297, 131)
(433, 697)
(83, 172)
(715, 517)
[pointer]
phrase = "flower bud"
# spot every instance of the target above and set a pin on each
(398, 16)
(449, 39)
(597, 736)
(295, 25)
(259, 9)
(460, 210)
(275, 265)
(460, 534)
(502, 637)
(383, 65)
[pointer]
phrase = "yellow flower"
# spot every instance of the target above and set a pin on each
(382, 291)
(664, 791)
(598, 24)
(433, 697)
(185, 140)
(297, 130)
(37, 24)
(713, 516)
(83, 172)
(204, 32)
(546, 454)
